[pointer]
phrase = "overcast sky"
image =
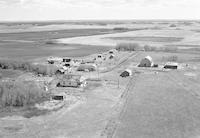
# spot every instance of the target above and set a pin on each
(98, 9)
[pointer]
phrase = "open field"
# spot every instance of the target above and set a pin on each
(148, 36)
(151, 103)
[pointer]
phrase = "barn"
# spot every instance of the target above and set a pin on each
(87, 67)
(71, 80)
(146, 62)
(126, 73)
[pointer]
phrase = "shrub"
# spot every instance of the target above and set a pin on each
(150, 48)
(19, 94)
(50, 42)
(12, 64)
(170, 49)
(120, 28)
(164, 49)
(147, 48)
(26, 66)
(172, 58)
(128, 47)
(172, 25)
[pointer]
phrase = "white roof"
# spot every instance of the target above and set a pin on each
(129, 71)
(54, 58)
(172, 64)
(149, 58)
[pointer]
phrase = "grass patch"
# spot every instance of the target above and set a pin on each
(33, 112)
(9, 73)
(92, 85)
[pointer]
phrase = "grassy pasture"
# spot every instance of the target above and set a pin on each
(30, 45)
(29, 51)
(9, 73)
(45, 35)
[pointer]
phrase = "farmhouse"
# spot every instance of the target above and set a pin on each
(71, 80)
(52, 60)
(171, 65)
(146, 62)
(87, 67)
(126, 73)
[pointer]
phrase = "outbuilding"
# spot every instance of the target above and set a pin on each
(146, 62)
(111, 56)
(71, 80)
(112, 51)
(86, 61)
(67, 60)
(171, 65)
(52, 60)
(99, 56)
(126, 73)
(87, 67)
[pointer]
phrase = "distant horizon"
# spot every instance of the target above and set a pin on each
(69, 10)
(92, 20)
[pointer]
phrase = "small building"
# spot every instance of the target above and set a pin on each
(146, 62)
(71, 80)
(126, 73)
(86, 61)
(67, 64)
(87, 67)
(63, 70)
(52, 60)
(111, 56)
(60, 71)
(171, 65)
(112, 51)
(67, 60)
(99, 56)
(58, 97)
